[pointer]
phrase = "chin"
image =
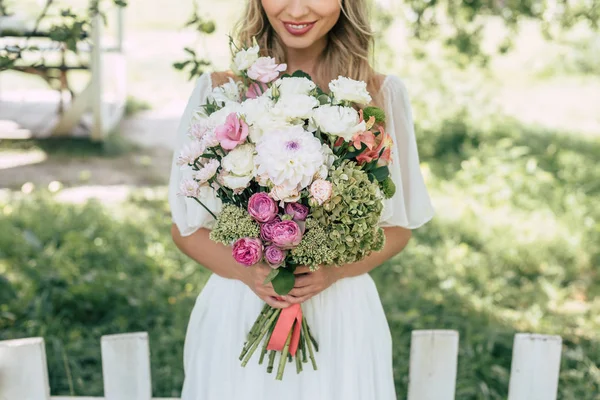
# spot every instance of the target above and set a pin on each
(298, 42)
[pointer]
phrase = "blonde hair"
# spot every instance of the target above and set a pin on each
(348, 51)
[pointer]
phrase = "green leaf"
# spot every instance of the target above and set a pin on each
(271, 276)
(284, 281)
(301, 74)
(381, 173)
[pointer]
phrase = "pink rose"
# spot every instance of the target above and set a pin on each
(320, 190)
(262, 208)
(232, 133)
(266, 229)
(275, 256)
(298, 211)
(247, 251)
(255, 90)
(265, 70)
(286, 234)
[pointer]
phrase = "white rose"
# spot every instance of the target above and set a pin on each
(229, 91)
(293, 85)
(346, 89)
(259, 118)
(244, 59)
(338, 121)
(240, 161)
(295, 106)
(236, 183)
(281, 193)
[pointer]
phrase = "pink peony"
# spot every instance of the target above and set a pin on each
(265, 70)
(275, 256)
(286, 234)
(255, 90)
(266, 229)
(233, 132)
(321, 190)
(247, 251)
(262, 208)
(298, 211)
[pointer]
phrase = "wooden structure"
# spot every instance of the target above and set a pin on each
(433, 365)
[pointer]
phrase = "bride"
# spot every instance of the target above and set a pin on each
(324, 38)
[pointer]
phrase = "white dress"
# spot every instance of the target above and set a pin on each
(355, 347)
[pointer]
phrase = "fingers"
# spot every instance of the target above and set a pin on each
(302, 291)
(301, 270)
(273, 302)
(298, 300)
(304, 280)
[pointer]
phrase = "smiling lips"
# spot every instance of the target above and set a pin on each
(298, 29)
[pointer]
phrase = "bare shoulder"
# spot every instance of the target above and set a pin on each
(221, 77)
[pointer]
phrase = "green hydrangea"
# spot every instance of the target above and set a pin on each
(376, 112)
(234, 223)
(350, 217)
(313, 250)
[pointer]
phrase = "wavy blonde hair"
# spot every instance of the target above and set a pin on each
(348, 52)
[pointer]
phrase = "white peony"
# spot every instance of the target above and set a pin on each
(294, 85)
(338, 121)
(244, 59)
(289, 157)
(346, 89)
(190, 153)
(294, 106)
(208, 171)
(230, 91)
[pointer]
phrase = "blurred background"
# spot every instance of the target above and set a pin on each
(506, 101)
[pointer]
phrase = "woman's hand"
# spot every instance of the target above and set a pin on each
(309, 284)
(254, 277)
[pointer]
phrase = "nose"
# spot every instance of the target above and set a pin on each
(298, 9)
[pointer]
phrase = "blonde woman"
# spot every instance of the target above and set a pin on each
(324, 38)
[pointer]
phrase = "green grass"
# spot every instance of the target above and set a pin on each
(513, 248)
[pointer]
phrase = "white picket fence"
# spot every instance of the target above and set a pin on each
(433, 363)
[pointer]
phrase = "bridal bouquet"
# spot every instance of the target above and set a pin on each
(301, 174)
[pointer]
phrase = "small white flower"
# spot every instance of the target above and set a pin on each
(210, 139)
(295, 106)
(230, 91)
(200, 128)
(346, 89)
(259, 117)
(189, 188)
(330, 158)
(219, 117)
(240, 161)
(244, 59)
(338, 121)
(208, 171)
(321, 190)
(190, 153)
(294, 85)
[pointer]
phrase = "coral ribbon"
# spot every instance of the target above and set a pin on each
(284, 324)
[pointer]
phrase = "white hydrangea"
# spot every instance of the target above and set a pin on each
(290, 158)
(338, 121)
(346, 89)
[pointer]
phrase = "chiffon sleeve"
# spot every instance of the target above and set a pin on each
(186, 213)
(411, 206)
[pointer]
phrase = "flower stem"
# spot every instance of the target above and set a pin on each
(309, 345)
(265, 344)
(271, 361)
(263, 332)
(298, 363)
(206, 208)
(312, 339)
(258, 324)
(284, 356)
